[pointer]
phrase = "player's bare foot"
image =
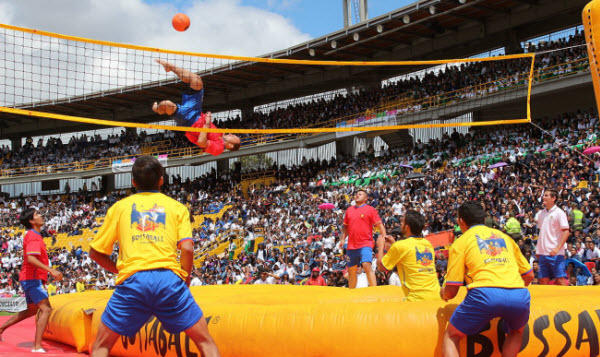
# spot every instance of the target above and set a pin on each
(166, 65)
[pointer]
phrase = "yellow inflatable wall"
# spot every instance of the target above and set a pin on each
(591, 15)
(281, 321)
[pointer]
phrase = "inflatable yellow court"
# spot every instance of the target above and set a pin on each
(278, 320)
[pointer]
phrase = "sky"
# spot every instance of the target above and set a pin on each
(233, 27)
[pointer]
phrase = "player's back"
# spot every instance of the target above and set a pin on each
(416, 268)
(491, 258)
(149, 225)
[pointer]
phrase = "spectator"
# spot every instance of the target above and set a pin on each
(316, 278)
(554, 232)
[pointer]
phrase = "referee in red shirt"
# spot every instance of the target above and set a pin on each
(359, 222)
(34, 273)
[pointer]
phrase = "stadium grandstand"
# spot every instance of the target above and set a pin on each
(256, 209)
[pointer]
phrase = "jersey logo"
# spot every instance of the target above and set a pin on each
(425, 258)
(148, 220)
(492, 246)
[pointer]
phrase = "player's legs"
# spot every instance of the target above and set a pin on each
(546, 271)
(513, 306)
(105, 339)
(42, 321)
(450, 345)
(558, 268)
(203, 340)
(37, 300)
(366, 258)
(512, 344)
(477, 309)
(370, 273)
(561, 281)
(165, 107)
(354, 256)
(352, 276)
(543, 281)
(18, 317)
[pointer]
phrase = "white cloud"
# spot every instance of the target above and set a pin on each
(217, 26)
(38, 68)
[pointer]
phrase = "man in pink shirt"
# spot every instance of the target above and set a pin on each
(189, 113)
(359, 222)
(554, 232)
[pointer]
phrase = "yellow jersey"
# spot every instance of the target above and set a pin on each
(149, 227)
(80, 287)
(51, 288)
(415, 260)
(486, 257)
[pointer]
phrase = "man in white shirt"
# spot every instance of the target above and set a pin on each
(266, 278)
(592, 253)
(195, 280)
(398, 209)
(554, 232)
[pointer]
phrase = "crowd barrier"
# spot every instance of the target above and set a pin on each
(279, 320)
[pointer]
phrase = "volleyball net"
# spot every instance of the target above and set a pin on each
(47, 75)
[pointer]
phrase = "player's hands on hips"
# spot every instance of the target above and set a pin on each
(56, 274)
(554, 251)
(166, 65)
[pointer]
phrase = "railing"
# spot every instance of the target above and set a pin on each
(155, 146)
(257, 175)
(403, 106)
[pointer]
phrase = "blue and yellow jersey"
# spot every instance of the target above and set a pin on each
(416, 268)
(486, 257)
(149, 227)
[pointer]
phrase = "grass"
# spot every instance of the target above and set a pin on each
(6, 313)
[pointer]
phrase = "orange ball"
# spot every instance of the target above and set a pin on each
(181, 22)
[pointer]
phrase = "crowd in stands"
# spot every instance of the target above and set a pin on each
(453, 78)
(288, 239)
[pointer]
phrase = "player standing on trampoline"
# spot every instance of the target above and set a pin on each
(496, 274)
(34, 273)
(189, 113)
(359, 222)
(149, 227)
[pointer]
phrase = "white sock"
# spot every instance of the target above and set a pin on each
(39, 350)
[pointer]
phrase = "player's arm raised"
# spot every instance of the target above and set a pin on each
(203, 137)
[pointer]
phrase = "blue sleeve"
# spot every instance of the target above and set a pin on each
(190, 108)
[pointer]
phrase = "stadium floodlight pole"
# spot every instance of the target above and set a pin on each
(559, 144)
(346, 10)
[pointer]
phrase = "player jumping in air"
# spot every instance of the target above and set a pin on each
(189, 113)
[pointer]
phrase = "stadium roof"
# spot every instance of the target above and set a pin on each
(427, 29)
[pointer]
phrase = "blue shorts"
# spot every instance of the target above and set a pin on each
(484, 304)
(190, 109)
(552, 267)
(360, 255)
(151, 292)
(34, 293)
